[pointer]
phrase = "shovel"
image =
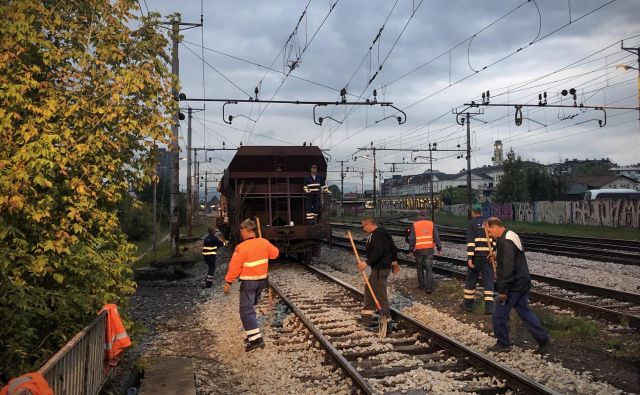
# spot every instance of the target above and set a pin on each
(270, 291)
(382, 323)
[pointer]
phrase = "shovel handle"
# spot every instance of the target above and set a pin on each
(366, 280)
(259, 227)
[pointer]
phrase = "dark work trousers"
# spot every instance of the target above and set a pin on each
(210, 260)
(520, 301)
(481, 267)
(378, 281)
(250, 291)
(424, 266)
(313, 202)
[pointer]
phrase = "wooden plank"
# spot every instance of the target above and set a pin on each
(169, 375)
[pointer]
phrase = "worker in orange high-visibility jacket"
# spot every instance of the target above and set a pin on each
(116, 338)
(250, 263)
(27, 384)
(422, 240)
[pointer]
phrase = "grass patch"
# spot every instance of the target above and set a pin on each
(566, 325)
(444, 287)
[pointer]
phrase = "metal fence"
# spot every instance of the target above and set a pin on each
(79, 367)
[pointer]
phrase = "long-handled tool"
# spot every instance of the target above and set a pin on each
(260, 236)
(382, 323)
(492, 255)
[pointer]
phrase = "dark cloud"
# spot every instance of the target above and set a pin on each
(257, 31)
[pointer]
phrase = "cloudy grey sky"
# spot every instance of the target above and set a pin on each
(434, 56)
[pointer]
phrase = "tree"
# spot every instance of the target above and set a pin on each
(512, 186)
(85, 94)
(458, 195)
(335, 192)
(527, 183)
(595, 168)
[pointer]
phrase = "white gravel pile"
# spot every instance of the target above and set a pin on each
(602, 274)
(290, 362)
(536, 366)
(299, 282)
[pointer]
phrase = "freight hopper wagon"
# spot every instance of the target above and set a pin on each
(267, 182)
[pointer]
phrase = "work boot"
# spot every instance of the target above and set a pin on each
(467, 305)
(252, 345)
(368, 320)
(207, 284)
(499, 348)
(544, 346)
(488, 308)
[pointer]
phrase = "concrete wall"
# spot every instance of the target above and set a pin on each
(619, 213)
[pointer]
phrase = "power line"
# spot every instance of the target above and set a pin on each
(307, 44)
(217, 71)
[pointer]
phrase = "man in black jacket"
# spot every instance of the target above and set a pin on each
(382, 256)
(513, 280)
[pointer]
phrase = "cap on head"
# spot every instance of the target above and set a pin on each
(477, 207)
(312, 166)
(422, 213)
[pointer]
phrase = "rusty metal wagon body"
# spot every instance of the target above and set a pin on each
(267, 182)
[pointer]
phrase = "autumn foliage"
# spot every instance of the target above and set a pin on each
(84, 93)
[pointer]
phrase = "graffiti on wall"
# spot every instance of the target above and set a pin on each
(619, 213)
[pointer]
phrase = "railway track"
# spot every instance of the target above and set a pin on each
(626, 252)
(606, 303)
(412, 358)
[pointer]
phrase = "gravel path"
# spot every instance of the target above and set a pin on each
(602, 274)
(539, 367)
(181, 319)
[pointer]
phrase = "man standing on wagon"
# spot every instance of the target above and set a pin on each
(250, 263)
(313, 186)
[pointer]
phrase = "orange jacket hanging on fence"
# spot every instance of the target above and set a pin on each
(30, 383)
(116, 339)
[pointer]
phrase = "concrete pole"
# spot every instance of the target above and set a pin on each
(341, 189)
(174, 189)
(468, 165)
(206, 192)
(375, 206)
(189, 179)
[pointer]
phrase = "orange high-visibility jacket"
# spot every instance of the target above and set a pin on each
(30, 383)
(424, 234)
(250, 260)
(116, 338)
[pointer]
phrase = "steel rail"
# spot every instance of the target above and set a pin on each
(580, 307)
(513, 378)
(569, 248)
(337, 355)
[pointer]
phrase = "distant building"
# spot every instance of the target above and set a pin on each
(497, 154)
(632, 171)
(163, 162)
(579, 185)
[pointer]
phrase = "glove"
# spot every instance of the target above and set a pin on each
(325, 189)
(305, 188)
(226, 288)
(395, 268)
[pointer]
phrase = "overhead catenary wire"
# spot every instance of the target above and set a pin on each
(520, 86)
(484, 68)
(332, 6)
